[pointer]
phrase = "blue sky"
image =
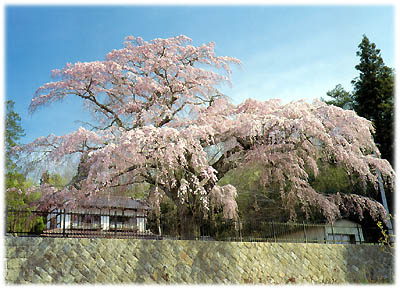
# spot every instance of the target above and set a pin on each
(287, 52)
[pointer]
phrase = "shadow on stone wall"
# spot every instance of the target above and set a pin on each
(368, 264)
(129, 261)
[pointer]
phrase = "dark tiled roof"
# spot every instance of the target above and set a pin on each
(120, 202)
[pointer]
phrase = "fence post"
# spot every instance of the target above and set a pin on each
(159, 225)
(273, 231)
(14, 227)
(304, 229)
(333, 234)
(240, 230)
(115, 223)
(64, 224)
(359, 236)
(6, 219)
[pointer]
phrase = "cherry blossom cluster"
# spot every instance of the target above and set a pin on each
(159, 116)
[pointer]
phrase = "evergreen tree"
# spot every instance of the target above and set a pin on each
(54, 179)
(374, 95)
(13, 133)
(341, 97)
(13, 178)
(19, 204)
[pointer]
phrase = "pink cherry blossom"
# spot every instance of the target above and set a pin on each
(159, 118)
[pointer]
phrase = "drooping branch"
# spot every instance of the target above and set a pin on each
(160, 111)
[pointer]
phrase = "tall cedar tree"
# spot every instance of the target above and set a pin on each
(13, 133)
(372, 98)
(341, 97)
(374, 95)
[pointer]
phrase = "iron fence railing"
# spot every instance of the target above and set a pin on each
(61, 223)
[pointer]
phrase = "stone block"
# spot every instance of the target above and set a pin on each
(14, 263)
(12, 275)
(11, 252)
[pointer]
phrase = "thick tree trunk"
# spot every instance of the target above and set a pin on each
(189, 225)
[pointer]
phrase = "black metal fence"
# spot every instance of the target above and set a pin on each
(60, 223)
(106, 225)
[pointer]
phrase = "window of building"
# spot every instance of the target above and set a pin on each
(341, 238)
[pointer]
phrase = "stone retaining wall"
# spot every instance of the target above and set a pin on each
(116, 261)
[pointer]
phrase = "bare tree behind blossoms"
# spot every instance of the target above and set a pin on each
(158, 115)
